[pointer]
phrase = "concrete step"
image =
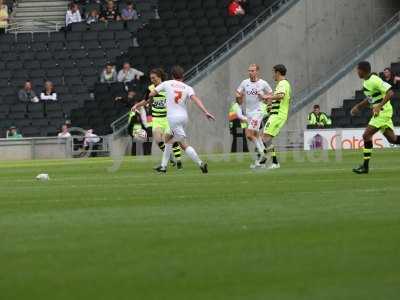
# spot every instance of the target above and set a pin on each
(43, 4)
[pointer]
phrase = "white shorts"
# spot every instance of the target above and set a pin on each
(177, 127)
(254, 120)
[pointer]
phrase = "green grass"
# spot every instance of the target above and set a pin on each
(306, 231)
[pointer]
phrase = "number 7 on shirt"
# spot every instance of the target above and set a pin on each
(178, 96)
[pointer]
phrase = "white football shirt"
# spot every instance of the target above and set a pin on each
(178, 95)
(251, 90)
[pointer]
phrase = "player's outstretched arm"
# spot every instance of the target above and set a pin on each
(200, 105)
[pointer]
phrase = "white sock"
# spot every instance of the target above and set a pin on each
(193, 155)
(166, 155)
(260, 145)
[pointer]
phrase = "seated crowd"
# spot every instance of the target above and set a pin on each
(109, 11)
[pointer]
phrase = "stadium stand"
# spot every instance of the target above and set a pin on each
(341, 117)
(185, 33)
(181, 32)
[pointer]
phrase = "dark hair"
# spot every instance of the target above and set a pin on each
(316, 106)
(281, 69)
(364, 66)
(177, 72)
(109, 64)
(390, 70)
(160, 73)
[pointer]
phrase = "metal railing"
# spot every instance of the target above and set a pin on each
(119, 125)
(36, 25)
(347, 62)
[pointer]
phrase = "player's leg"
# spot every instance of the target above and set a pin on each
(391, 136)
(271, 130)
(168, 140)
(192, 154)
(367, 150)
(177, 151)
(159, 138)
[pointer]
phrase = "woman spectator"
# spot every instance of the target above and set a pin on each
(129, 12)
(73, 15)
(110, 13)
(48, 94)
(3, 17)
(391, 78)
(108, 75)
(93, 17)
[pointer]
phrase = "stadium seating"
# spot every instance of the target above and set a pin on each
(185, 33)
(341, 117)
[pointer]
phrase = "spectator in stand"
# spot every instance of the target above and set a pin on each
(391, 78)
(93, 17)
(91, 142)
(12, 133)
(108, 75)
(49, 93)
(64, 134)
(129, 12)
(3, 17)
(27, 94)
(110, 13)
(73, 15)
(318, 119)
(235, 8)
(129, 100)
(128, 74)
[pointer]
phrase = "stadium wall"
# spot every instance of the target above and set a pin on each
(345, 87)
(308, 39)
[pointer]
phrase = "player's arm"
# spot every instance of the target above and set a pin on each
(147, 101)
(356, 109)
(200, 105)
(270, 97)
(377, 108)
(239, 94)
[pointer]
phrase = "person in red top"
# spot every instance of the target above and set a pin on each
(235, 8)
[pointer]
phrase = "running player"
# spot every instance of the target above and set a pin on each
(378, 94)
(178, 94)
(159, 115)
(248, 94)
(278, 106)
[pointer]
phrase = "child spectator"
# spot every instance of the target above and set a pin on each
(93, 17)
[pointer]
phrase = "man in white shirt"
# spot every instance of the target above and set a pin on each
(127, 73)
(248, 93)
(64, 134)
(178, 95)
(73, 15)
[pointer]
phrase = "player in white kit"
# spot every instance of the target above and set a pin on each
(248, 93)
(178, 95)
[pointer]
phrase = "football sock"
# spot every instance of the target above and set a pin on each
(274, 158)
(367, 153)
(259, 145)
(193, 155)
(177, 151)
(161, 145)
(166, 155)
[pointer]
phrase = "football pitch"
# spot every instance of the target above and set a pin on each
(310, 230)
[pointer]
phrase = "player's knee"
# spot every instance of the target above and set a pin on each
(367, 137)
